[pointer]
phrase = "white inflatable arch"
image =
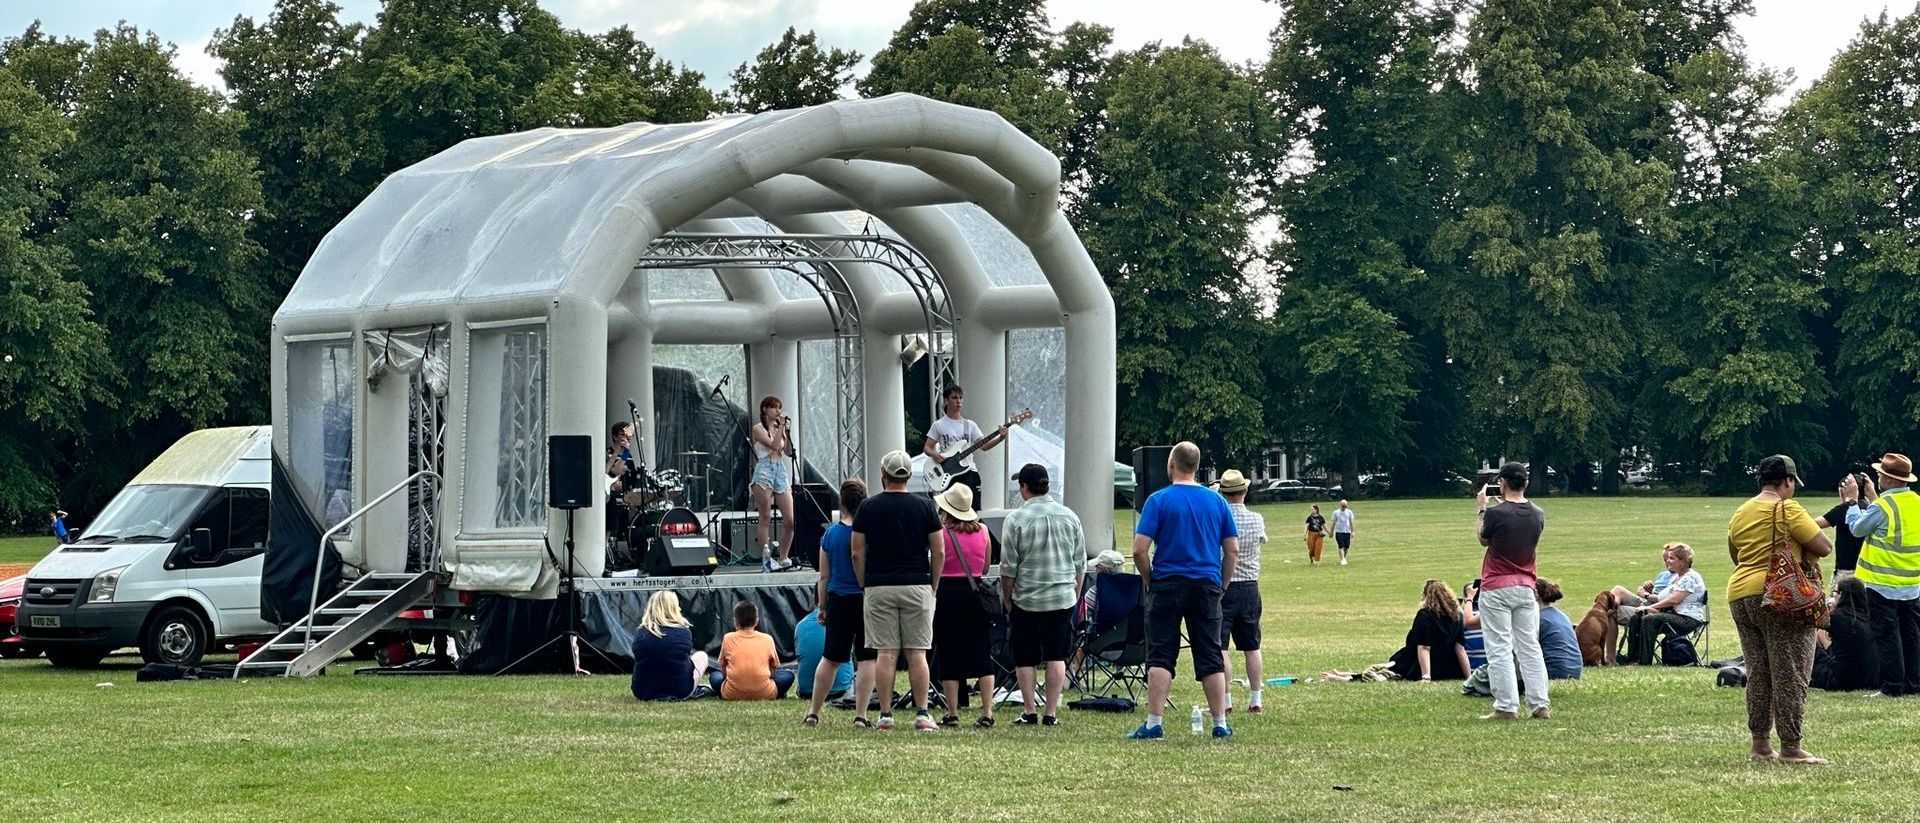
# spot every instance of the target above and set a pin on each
(508, 274)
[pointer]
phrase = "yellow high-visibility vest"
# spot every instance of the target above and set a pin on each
(1891, 555)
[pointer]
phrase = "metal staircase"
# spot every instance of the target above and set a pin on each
(362, 609)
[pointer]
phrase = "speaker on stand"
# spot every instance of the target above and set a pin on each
(570, 476)
(1149, 472)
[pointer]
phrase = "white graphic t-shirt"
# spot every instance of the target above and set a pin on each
(948, 434)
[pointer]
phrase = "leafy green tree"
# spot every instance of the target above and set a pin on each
(792, 73)
(49, 66)
(1167, 222)
(1563, 203)
(296, 79)
(55, 362)
(1850, 139)
(615, 78)
(159, 193)
(1078, 63)
(1015, 33)
(1354, 86)
(986, 54)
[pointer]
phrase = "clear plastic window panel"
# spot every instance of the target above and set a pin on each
(820, 412)
(1036, 369)
(684, 284)
(320, 424)
(507, 405)
(1006, 260)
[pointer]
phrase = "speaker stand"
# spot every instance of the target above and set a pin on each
(572, 634)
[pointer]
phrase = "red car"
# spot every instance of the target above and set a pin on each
(10, 591)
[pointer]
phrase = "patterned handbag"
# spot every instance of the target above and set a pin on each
(1794, 589)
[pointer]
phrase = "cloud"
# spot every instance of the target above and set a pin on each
(199, 66)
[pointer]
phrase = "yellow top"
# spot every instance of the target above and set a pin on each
(1751, 534)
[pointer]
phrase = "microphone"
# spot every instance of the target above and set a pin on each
(715, 394)
(632, 407)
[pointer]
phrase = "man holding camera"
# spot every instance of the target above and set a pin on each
(1889, 565)
(1509, 526)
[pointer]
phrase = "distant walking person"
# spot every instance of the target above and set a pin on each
(1043, 554)
(60, 526)
(1343, 529)
(1890, 566)
(896, 558)
(1779, 649)
(1240, 606)
(1316, 535)
(1510, 528)
(1185, 545)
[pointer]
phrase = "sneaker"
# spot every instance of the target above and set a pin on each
(924, 723)
(1050, 720)
(1343, 561)
(1222, 731)
(1146, 732)
(1500, 715)
(885, 724)
(1027, 720)
(1542, 713)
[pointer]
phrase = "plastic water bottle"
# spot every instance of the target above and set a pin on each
(1198, 719)
(1285, 680)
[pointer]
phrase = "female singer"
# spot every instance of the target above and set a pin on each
(773, 480)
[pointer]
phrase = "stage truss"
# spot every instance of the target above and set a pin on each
(815, 259)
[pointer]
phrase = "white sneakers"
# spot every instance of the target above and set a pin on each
(1343, 561)
(768, 564)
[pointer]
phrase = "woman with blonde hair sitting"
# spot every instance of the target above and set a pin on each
(665, 665)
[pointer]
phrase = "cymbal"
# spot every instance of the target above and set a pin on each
(695, 453)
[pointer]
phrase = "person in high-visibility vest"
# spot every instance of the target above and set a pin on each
(1889, 565)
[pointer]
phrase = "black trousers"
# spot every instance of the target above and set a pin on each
(1896, 634)
(1645, 628)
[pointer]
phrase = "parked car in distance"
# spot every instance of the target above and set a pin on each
(10, 645)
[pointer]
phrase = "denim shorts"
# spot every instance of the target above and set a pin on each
(772, 474)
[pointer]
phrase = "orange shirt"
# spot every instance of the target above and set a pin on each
(747, 657)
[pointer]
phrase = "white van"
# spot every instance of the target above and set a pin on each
(171, 566)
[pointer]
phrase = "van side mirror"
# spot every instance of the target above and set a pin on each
(201, 545)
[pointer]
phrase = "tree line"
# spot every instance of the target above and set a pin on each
(1419, 234)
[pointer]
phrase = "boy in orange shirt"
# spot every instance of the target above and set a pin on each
(749, 663)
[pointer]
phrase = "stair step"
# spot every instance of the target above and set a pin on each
(369, 593)
(267, 664)
(296, 648)
(349, 611)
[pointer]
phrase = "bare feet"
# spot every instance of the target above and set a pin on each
(1799, 756)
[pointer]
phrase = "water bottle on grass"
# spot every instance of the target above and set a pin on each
(1199, 720)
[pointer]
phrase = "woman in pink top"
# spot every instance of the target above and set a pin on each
(962, 632)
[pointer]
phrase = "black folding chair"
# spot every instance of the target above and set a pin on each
(1110, 650)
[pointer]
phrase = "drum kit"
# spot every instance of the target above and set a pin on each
(656, 503)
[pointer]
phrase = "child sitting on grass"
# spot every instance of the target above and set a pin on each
(749, 664)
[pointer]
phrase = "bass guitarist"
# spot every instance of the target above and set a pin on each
(953, 431)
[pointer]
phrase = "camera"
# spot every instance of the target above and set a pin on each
(1493, 490)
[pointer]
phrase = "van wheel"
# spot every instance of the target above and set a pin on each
(176, 636)
(76, 658)
(15, 651)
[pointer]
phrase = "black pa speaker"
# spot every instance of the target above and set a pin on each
(1149, 472)
(680, 554)
(813, 505)
(570, 471)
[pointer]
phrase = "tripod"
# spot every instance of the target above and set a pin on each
(572, 634)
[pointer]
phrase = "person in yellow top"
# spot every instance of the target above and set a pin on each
(1779, 650)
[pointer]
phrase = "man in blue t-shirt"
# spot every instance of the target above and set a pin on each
(1194, 546)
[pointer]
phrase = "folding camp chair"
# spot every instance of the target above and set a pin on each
(1110, 648)
(1701, 637)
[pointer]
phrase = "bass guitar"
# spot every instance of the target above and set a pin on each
(940, 473)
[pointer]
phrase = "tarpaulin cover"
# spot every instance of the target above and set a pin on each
(689, 417)
(508, 628)
(286, 576)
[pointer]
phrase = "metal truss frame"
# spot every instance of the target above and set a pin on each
(815, 259)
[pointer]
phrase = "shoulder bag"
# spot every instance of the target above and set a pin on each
(1793, 588)
(989, 599)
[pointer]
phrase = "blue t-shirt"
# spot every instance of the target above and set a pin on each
(1558, 645)
(60, 528)
(809, 640)
(663, 666)
(1186, 522)
(838, 544)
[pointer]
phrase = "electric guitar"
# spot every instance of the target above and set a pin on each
(940, 474)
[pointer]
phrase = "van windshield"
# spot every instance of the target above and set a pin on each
(146, 513)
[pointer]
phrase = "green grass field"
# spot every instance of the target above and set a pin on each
(1653, 744)
(25, 549)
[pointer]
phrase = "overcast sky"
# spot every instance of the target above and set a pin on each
(714, 36)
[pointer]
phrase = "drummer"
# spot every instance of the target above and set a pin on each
(619, 455)
(773, 481)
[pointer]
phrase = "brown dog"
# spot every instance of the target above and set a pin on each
(1596, 628)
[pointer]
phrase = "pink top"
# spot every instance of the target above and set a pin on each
(974, 544)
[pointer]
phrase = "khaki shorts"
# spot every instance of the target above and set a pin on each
(900, 617)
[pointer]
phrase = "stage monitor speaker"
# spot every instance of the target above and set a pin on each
(570, 471)
(813, 505)
(680, 554)
(1149, 472)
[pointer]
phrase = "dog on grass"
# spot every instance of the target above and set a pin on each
(1598, 631)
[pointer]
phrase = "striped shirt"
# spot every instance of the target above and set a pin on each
(1043, 549)
(1253, 532)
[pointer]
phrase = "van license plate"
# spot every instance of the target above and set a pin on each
(45, 621)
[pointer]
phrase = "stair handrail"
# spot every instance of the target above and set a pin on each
(320, 551)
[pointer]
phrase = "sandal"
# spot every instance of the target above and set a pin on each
(1804, 760)
(984, 722)
(951, 721)
(862, 723)
(811, 720)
